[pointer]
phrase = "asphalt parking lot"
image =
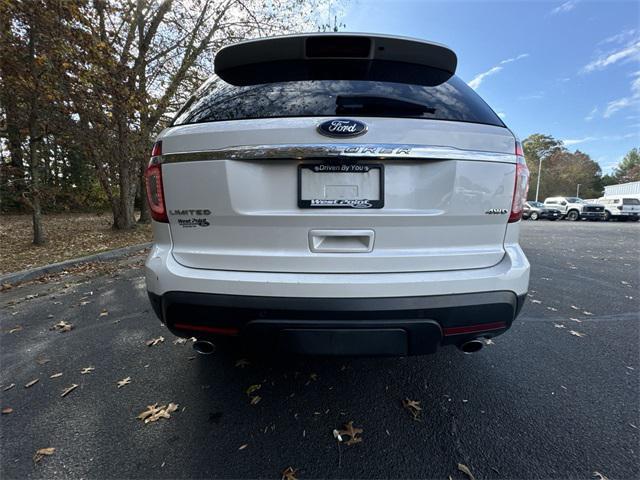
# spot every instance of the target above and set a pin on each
(555, 397)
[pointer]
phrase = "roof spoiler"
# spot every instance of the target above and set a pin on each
(335, 56)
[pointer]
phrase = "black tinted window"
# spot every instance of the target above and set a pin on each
(442, 98)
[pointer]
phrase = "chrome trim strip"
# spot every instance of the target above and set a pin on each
(336, 150)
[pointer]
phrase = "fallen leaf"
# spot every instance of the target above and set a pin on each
(552, 309)
(313, 376)
(488, 341)
(15, 329)
(154, 413)
(7, 410)
(587, 313)
(104, 312)
(559, 325)
(575, 320)
(289, 474)
(86, 370)
(575, 308)
(253, 388)
(155, 341)
(464, 469)
(32, 383)
(599, 476)
(42, 361)
(180, 341)
(8, 387)
(68, 390)
(42, 452)
(577, 334)
(56, 375)
(123, 382)
(243, 362)
(413, 407)
(62, 326)
(352, 432)
(533, 300)
(255, 400)
(242, 447)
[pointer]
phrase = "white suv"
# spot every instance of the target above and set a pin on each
(337, 194)
(621, 207)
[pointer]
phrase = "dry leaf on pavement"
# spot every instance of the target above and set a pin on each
(155, 341)
(559, 325)
(56, 375)
(255, 400)
(180, 341)
(104, 312)
(243, 362)
(32, 383)
(154, 413)
(577, 334)
(8, 387)
(42, 361)
(413, 407)
(599, 476)
(7, 410)
(68, 390)
(87, 370)
(352, 432)
(15, 329)
(42, 452)
(533, 300)
(242, 447)
(123, 382)
(289, 474)
(62, 326)
(464, 469)
(253, 388)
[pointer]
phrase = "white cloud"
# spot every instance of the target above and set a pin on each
(592, 114)
(624, 102)
(628, 52)
(502, 115)
(621, 37)
(574, 141)
(477, 80)
(565, 7)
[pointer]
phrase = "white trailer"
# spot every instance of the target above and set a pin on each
(631, 189)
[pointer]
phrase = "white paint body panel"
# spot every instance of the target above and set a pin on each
(433, 236)
(434, 217)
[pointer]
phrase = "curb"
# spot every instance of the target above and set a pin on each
(37, 272)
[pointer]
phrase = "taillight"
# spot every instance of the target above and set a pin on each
(521, 187)
(153, 181)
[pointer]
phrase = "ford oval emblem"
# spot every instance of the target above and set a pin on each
(342, 127)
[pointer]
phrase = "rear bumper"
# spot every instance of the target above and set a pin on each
(340, 326)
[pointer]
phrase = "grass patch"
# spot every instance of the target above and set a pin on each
(70, 235)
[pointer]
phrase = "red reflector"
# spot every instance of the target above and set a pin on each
(519, 150)
(203, 328)
(483, 327)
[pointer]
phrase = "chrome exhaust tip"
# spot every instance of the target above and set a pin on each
(472, 346)
(204, 347)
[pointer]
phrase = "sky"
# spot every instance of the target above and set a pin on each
(567, 68)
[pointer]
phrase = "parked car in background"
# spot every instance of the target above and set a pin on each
(620, 207)
(574, 208)
(536, 210)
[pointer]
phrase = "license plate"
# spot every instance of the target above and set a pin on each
(349, 185)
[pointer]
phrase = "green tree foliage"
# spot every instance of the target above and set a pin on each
(562, 170)
(628, 169)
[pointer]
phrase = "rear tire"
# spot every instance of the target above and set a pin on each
(573, 215)
(633, 219)
(607, 216)
(534, 216)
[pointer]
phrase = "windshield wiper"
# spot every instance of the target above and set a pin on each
(372, 105)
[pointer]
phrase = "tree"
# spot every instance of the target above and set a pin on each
(539, 147)
(35, 39)
(628, 169)
(146, 57)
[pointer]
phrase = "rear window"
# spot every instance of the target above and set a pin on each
(440, 97)
(631, 201)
